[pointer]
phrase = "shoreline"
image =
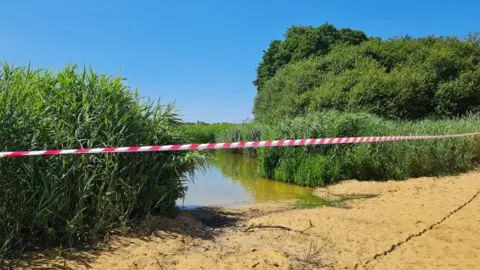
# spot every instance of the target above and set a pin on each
(428, 223)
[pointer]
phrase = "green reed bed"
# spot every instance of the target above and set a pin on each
(327, 164)
(249, 131)
(205, 133)
(64, 200)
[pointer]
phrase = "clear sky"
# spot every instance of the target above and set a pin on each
(202, 54)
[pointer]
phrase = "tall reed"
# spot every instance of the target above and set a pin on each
(327, 164)
(65, 199)
(204, 133)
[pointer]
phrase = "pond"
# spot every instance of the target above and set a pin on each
(231, 180)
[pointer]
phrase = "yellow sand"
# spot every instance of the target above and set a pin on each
(409, 225)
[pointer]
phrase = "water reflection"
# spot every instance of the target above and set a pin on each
(231, 180)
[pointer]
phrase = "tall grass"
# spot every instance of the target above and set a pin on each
(327, 164)
(248, 131)
(204, 133)
(65, 199)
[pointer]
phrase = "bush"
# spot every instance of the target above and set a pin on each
(461, 95)
(401, 78)
(66, 199)
(302, 42)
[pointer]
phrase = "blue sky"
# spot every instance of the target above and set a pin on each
(202, 54)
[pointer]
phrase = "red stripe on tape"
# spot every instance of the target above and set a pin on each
(18, 154)
(193, 146)
(51, 152)
(158, 147)
(175, 147)
(133, 148)
(210, 146)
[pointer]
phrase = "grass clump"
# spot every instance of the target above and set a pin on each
(61, 200)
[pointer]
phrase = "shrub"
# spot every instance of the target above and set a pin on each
(401, 78)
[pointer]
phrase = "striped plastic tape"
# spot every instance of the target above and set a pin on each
(230, 145)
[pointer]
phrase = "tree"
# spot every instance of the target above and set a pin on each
(302, 42)
(403, 78)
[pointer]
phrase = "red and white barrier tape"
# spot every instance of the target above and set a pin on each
(229, 145)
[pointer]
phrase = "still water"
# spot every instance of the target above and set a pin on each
(231, 180)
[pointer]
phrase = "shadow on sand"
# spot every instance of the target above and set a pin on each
(204, 223)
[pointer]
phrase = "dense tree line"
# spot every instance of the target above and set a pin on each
(316, 69)
(300, 43)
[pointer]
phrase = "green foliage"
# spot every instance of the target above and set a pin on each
(399, 78)
(65, 199)
(203, 132)
(328, 164)
(300, 43)
(459, 96)
(249, 131)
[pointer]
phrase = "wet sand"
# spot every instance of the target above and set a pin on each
(424, 223)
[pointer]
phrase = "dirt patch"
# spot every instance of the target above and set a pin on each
(425, 223)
